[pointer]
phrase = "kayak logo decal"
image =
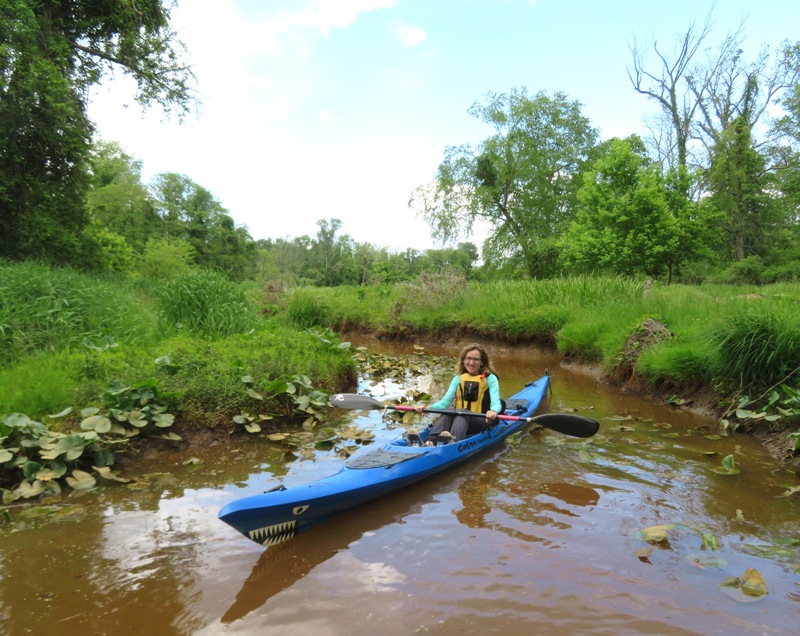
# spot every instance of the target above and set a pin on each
(466, 445)
(276, 533)
(338, 397)
(298, 510)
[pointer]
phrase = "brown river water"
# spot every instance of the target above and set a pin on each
(543, 537)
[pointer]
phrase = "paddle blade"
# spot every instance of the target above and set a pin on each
(574, 425)
(355, 402)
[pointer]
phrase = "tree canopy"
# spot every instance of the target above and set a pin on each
(521, 181)
(51, 54)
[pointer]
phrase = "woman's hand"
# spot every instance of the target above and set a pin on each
(419, 408)
(491, 416)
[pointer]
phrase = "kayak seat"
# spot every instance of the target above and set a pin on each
(516, 405)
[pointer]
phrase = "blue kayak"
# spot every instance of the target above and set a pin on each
(281, 513)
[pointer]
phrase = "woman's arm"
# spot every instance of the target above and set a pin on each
(494, 393)
(447, 400)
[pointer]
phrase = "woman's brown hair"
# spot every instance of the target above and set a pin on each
(486, 363)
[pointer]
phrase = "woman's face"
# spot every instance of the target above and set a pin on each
(473, 361)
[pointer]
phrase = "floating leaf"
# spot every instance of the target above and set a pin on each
(655, 534)
(163, 420)
(106, 473)
(767, 551)
(587, 456)
(710, 540)
(28, 490)
(81, 480)
(63, 413)
(252, 428)
(643, 554)
(753, 583)
(97, 423)
(706, 561)
(751, 587)
(728, 466)
(277, 437)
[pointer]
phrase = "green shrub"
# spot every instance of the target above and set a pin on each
(306, 309)
(206, 303)
(757, 348)
(675, 363)
(45, 309)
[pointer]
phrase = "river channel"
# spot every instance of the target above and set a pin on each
(629, 532)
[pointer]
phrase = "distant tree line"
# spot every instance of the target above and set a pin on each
(711, 193)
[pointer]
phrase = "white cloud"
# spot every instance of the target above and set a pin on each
(327, 117)
(410, 36)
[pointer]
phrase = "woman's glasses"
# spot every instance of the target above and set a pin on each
(469, 359)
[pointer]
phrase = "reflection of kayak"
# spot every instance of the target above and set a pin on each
(281, 513)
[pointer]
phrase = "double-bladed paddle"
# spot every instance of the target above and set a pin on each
(574, 425)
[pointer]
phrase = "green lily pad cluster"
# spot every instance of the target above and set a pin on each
(783, 404)
(38, 460)
(301, 398)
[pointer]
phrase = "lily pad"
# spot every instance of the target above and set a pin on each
(706, 561)
(655, 534)
(81, 480)
(750, 587)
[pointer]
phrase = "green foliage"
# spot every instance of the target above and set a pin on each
(757, 348)
(50, 58)
(43, 456)
(677, 363)
(740, 188)
(44, 309)
(211, 376)
(166, 259)
(307, 309)
(189, 212)
(624, 224)
(207, 304)
(40, 384)
(521, 180)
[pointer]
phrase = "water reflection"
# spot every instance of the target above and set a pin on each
(282, 565)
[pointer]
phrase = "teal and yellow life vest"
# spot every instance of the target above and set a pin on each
(473, 393)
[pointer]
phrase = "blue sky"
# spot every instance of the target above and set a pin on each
(317, 109)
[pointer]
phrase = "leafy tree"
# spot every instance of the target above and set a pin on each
(109, 252)
(51, 53)
(190, 212)
(521, 181)
(329, 255)
(623, 224)
(166, 258)
(739, 187)
(118, 199)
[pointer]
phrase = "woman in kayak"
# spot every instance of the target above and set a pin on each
(474, 388)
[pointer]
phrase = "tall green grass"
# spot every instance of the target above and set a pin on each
(206, 304)
(48, 310)
(729, 337)
(758, 348)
